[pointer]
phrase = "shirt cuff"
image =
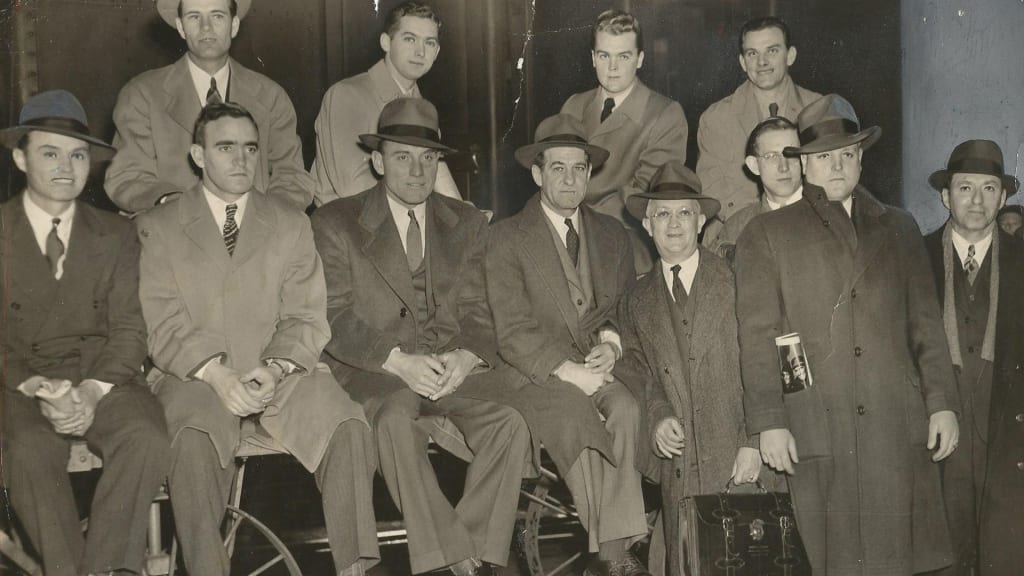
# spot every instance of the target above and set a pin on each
(609, 336)
(287, 366)
(200, 372)
(105, 387)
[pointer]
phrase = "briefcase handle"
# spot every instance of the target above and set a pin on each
(729, 485)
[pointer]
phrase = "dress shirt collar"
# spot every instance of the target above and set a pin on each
(687, 271)
(620, 97)
(201, 80)
(559, 221)
(41, 222)
(795, 197)
(980, 247)
(218, 208)
(400, 214)
(412, 92)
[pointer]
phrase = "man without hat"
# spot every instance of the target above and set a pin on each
(850, 276)
(157, 110)
(342, 167)
(555, 273)
(73, 342)
(678, 327)
(233, 294)
(413, 342)
(1011, 218)
(979, 271)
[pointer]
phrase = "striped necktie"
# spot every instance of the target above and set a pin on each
(971, 265)
(572, 243)
(230, 228)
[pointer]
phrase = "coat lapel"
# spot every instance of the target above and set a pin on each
(604, 258)
(654, 322)
(748, 117)
(443, 242)
(706, 292)
(198, 224)
(384, 248)
(871, 234)
(256, 230)
(26, 265)
(631, 110)
(244, 87)
(839, 249)
(182, 103)
(88, 240)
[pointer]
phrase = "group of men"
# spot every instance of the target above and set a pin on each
(397, 315)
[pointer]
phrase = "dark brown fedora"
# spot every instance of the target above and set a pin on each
(409, 121)
(830, 123)
(560, 131)
(168, 10)
(59, 112)
(975, 157)
(673, 181)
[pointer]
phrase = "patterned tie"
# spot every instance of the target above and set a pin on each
(773, 110)
(413, 243)
(54, 247)
(230, 228)
(572, 243)
(213, 95)
(678, 290)
(971, 265)
(609, 103)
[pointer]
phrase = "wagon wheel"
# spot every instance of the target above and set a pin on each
(261, 546)
(549, 515)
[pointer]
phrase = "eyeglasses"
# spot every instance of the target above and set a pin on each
(664, 214)
(771, 156)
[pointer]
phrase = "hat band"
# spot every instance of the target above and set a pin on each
(564, 138)
(410, 130)
(975, 166)
(59, 123)
(828, 128)
(668, 186)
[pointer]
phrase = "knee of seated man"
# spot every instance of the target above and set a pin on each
(622, 411)
(400, 409)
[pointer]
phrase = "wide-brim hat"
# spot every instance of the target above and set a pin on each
(59, 112)
(168, 10)
(409, 121)
(560, 131)
(975, 157)
(829, 123)
(673, 181)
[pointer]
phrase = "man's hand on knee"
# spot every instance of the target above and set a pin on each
(420, 372)
(231, 390)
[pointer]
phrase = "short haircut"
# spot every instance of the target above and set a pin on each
(232, 8)
(769, 125)
(217, 111)
(763, 24)
(616, 22)
(410, 8)
(539, 162)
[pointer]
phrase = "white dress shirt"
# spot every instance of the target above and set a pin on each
(400, 214)
(794, 197)
(219, 208)
(980, 247)
(620, 97)
(558, 221)
(42, 222)
(201, 80)
(687, 271)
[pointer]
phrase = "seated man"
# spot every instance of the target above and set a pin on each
(679, 335)
(412, 337)
(555, 273)
(233, 294)
(72, 324)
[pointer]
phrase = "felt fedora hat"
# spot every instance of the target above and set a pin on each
(168, 10)
(59, 112)
(409, 121)
(975, 157)
(673, 181)
(560, 131)
(830, 123)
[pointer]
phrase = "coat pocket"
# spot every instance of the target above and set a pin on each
(808, 422)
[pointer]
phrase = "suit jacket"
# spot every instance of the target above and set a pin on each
(155, 115)
(722, 137)
(864, 305)
(642, 133)
(86, 325)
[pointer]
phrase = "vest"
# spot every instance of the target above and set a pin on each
(422, 286)
(682, 326)
(975, 377)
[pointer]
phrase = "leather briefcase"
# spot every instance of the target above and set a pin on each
(732, 534)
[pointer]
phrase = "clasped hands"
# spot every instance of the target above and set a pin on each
(76, 413)
(432, 376)
(243, 394)
(594, 372)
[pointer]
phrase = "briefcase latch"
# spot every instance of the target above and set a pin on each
(757, 530)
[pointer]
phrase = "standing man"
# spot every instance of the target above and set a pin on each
(233, 294)
(639, 127)
(850, 275)
(412, 338)
(781, 181)
(979, 271)
(555, 273)
(352, 106)
(1011, 218)
(71, 321)
(766, 53)
(679, 336)
(157, 110)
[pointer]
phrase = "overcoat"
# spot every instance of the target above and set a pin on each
(155, 115)
(866, 493)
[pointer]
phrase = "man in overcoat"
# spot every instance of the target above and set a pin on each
(413, 341)
(678, 327)
(555, 273)
(639, 127)
(233, 295)
(70, 319)
(979, 272)
(157, 110)
(850, 275)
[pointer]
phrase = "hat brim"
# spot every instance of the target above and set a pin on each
(168, 10)
(637, 203)
(866, 138)
(372, 141)
(99, 150)
(940, 180)
(525, 154)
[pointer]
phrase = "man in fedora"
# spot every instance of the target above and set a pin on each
(979, 271)
(410, 41)
(413, 342)
(1011, 218)
(73, 337)
(233, 293)
(678, 327)
(850, 276)
(555, 273)
(157, 110)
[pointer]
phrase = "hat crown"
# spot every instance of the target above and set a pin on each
(409, 112)
(976, 153)
(675, 175)
(830, 107)
(561, 127)
(53, 104)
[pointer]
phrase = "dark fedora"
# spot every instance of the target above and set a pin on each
(168, 10)
(409, 121)
(56, 111)
(829, 123)
(673, 181)
(560, 131)
(975, 157)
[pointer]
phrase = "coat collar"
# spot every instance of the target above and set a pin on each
(384, 85)
(198, 224)
(631, 110)
(790, 107)
(870, 235)
(183, 105)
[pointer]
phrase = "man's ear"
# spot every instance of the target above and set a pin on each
(701, 221)
(385, 42)
(181, 29)
(790, 55)
(751, 163)
(19, 159)
(537, 175)
(640, 60)
(196, 151)
(235, 23)
(647, 226)
(378, 161)
(945, 198)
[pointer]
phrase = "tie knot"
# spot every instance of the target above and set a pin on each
(773, 109)
(609, 103)
(675, 269)
(231, 209)
(56, 222)
(970, 251)
(568, 222)
(412, 215)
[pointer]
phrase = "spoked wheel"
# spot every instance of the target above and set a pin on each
(550, 517)
(264, 552)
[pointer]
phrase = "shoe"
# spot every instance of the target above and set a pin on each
(488, 569)
(598, 568)
(629, 566)
(471, 567)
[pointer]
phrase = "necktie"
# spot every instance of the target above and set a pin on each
(213, 95)
(609, 103)
(572, 242)
(54, 247)
(971, 265)
(230, 228)
(678, 290)
(413, 243)
(773, 110)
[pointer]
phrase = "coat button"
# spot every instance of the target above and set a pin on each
(15, 306)
(853, 293)
(36, 348)
(825, 222)
(1020, 418)
(970, 349)
(685, 322)
(857, 351)
(861, 410)
(403, 312)
(579, 301)
(679, 473)
(666, 370)
(1020, 465)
